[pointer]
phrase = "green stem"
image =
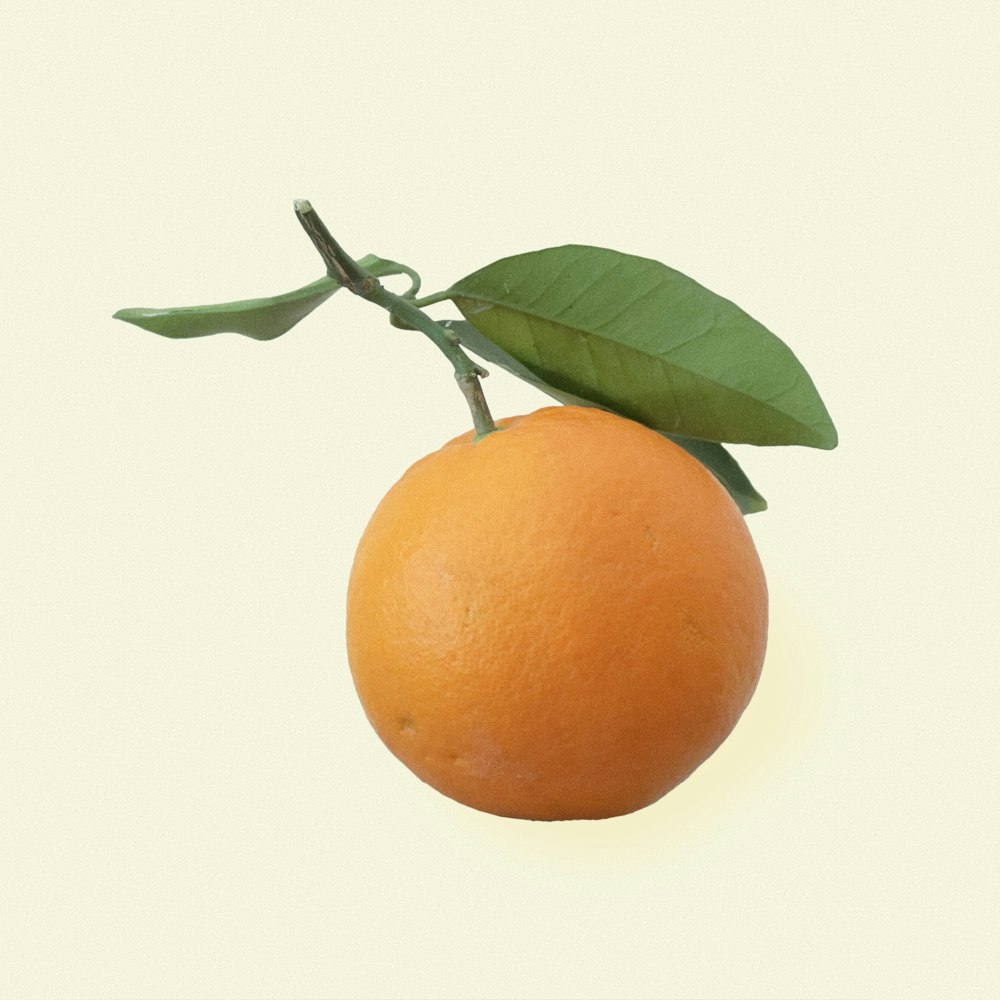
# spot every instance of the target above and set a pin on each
(429, 300)
(355, 278)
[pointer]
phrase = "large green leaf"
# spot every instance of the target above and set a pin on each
(261, 319)
(718, 461)
(644, 340)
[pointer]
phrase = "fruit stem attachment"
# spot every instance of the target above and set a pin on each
(341, 266)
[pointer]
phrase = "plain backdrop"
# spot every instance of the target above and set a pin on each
(192, 804)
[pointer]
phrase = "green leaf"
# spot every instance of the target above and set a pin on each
(726, 469)
(261, 319)
(713, 456)
(640, 338)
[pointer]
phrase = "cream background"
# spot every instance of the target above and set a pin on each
(192, 802)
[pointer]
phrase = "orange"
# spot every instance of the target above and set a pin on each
(560, 620)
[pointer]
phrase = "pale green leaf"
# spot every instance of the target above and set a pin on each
(261, 319)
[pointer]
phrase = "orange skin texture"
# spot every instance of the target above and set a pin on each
(561, 620)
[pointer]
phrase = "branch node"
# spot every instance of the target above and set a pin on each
(402, 312)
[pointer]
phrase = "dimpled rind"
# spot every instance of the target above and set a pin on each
(561, 620)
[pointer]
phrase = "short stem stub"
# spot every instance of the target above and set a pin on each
(472, 389)
(355, 278)
(339, 264)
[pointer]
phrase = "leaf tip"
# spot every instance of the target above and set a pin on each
(132, 316)
(829, 439)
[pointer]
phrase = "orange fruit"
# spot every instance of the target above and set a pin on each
(560, 620)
